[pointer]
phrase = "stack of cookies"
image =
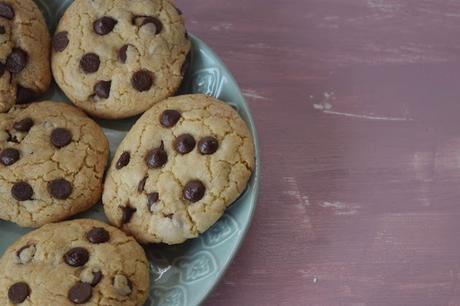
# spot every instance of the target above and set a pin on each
(179, 167)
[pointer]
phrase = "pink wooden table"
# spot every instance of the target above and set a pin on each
(357, 104)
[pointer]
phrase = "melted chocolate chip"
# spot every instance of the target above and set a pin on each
(80, 293)
(16, 60)
(60, 189)
(143, 20)
(208, 145)
(152, 198)
(24, 94)
(142, 80)
(22, 191)
(98, 235)
(9, 156)
(140, 187)
(123, 160)
(23, 125)
(6, 11)
(102, 89)
(76, 257)
(184, 144)
(61, 137)
(122, 57)
(157, 157)
(90, 62)
(18, 292)
(104, 25)
(169, 118)
(194, 191)
(127, 214)
(60, 41)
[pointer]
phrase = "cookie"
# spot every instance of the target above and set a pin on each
(177, 170)
(74, 262)
(24, 53)
(117, 58)
(52, 160)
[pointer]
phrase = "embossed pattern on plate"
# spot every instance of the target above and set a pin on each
(183, 274)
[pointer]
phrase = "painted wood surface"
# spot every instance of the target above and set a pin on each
(357, 104)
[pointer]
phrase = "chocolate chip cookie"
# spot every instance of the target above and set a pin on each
(180, 166)
(52, 160)
(24, 53)
(74, 262)
(116, 58)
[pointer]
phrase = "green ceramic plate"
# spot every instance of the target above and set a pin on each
(183, 274)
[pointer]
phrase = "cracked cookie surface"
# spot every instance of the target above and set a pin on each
(52, 161)
(24, 53)
(74, 262)
(180, 166)
(116, 58)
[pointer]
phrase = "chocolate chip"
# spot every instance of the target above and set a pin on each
(22, 191)
(169, 118)
(140, 187)
(178, 11)
(102, 89)
(2, 69)
(2, 30)
(98, 235)
(97, 277)
(80, 293)
(6, 11)
(60, 189)
(17, 60)
(208, 145)
(186, 64)
(194, 191)
(24, 94)
(12, 138)
(152, 198)
(123, 160)
(184, 143)
(142, 80)
(143, 20)
(157, 157)
(18, 292)
(90, 62)
(76, 257)
(127, 214)
(61, 137)
(122, 54)
(104, 25)
(23, 125)
(60, 41)
(9, 156)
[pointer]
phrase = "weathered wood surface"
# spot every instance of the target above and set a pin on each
(357, 104)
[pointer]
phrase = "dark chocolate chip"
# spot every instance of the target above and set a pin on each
(142, 80)
(22, 191)
(194, 191)
(184, 144)
(157, 157)
(102, 89)
(97, 277)
(9, 156)
(140, 187)
(104, 25)
(23, 125)
(80, 293)
(6, 11)
(24, 94)
(152, 198)
(90, 62)
(178, 11)
(60, 41)
(76, 257)
(143, 20)
(2, 30)
(12, 138)
(61, 137)
(208, 145)
(60, 189)
(98, 235)
(169, 118)
(186, 64)
(123, 160)
(16, 60)
(18, 292)
(127, 214)
(122, 54)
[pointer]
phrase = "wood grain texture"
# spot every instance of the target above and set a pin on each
(357, 104)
